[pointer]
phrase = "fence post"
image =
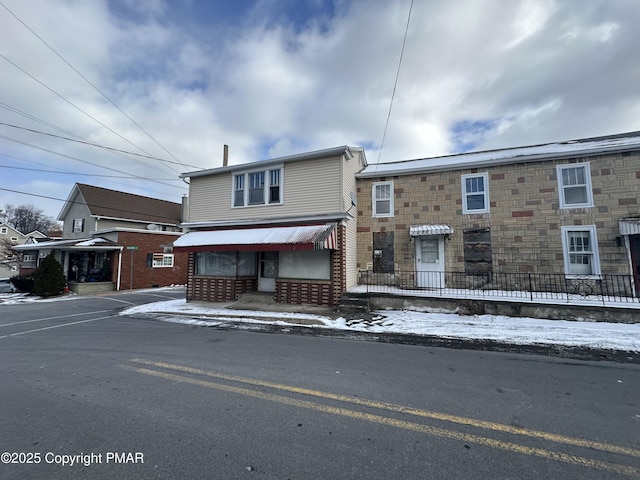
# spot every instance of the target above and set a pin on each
(530, 287)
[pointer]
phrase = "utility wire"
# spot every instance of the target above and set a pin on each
(395, 84)
(159, 216)
(74, 173)
(92, 144)
(92, 84)
(84, 161)
(74, 105)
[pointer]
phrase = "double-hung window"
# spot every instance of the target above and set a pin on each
(257, 188)
(78, 225)
(4, 230)
(580, 246)
(574, 185)
(382, 200)
(475, 193)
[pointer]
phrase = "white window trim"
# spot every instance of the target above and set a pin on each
(267, 186)
(29, 258)
(587, 174)
(159, 260)
(373, 199)
(78, 225)
(4, 230)
(485, 176)
(594, 246)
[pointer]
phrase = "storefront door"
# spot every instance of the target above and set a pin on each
(268, 268)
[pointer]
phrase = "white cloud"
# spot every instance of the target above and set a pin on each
(478, 73)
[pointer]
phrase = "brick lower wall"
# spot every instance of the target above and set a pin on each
(311, 292)
(219, 289)
(295, 291)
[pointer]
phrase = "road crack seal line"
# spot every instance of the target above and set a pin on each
(381, 420)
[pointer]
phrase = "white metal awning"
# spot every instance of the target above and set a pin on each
(629, 226)
(424, 230)
(304, 237)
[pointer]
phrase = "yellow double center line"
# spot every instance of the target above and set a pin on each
(381, 420)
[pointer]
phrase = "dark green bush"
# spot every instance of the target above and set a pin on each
(48, 278)
(23, 283)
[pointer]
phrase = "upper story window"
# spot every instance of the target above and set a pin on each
(14, 240)
(580, 248)
(257, 188)
(574, 185)
(78, 225)
(475, 193)
(382, 201)
(4, 230)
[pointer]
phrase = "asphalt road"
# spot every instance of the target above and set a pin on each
(137, 398)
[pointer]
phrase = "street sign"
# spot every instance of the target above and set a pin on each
(132, 247)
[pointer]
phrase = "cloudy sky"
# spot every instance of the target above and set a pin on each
(176, 80)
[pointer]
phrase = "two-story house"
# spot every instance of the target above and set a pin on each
(286, 226)
(558, 211)
(114, 240)
(10, 238)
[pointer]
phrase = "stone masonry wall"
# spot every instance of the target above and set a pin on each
(524, 218)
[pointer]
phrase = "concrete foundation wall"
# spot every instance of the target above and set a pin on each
(512, 309)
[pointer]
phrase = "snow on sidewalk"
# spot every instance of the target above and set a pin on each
(514, 330)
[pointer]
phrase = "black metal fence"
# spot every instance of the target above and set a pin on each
(527, 286)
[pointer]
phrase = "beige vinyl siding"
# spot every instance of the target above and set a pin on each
(351, 254)
(309, 188)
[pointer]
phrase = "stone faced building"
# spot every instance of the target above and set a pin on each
(566, 208)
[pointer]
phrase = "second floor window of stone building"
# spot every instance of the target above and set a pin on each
(475, 193)
(382, 200)
(574, 185)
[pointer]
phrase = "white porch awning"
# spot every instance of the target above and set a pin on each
(629, 226)
(424, 230)
(304, 237)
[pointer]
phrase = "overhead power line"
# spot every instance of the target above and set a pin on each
(158, 215)
(75, 173)
(92, 84)
(395, 83)
(84, 161)
(92, 144)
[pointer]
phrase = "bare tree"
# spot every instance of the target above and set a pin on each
(9, 255)
(27, 218)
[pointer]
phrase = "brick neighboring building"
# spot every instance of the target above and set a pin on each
(104, 231)
(566, 208)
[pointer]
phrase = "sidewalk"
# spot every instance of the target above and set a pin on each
(569, 339)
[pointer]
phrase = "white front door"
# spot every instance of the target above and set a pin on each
(430, 261)
(267, 271)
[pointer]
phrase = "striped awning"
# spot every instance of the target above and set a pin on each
(629, 226)
(424, 230)
(304, 237)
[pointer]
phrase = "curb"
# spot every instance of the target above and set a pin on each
(548, 350)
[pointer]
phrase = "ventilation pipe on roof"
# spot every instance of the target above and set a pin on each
(225, 156)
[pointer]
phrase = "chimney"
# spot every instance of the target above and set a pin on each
(225, 156)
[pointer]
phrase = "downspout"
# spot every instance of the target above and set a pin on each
(119, 269)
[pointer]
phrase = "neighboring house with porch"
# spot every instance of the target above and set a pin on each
(285, 226)
(555, 212)
(114, 240)
(10, 238)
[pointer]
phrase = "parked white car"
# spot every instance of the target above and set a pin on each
(6, 286)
